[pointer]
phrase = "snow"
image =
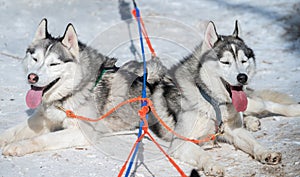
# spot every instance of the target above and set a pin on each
(175, 27)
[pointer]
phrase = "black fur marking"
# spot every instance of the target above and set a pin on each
(169, 93)
(114, 69)
(225, 45)
(150, 86)
(104, 87)
(30, 50)
(194, 173)
(155, 128)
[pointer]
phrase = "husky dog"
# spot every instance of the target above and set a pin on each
(204, 91)
(61, 72)
(64, 73)
(212, 81)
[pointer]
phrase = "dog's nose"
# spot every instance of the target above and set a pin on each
(242, 78)
(33, 78)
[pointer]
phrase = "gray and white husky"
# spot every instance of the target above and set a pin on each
(64, 73)
(61, 73)
(212, 83)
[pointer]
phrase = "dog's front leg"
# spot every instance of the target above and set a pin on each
(243, 140)
(194, 155)
(189, 125)
(34, 126)
(66, 138)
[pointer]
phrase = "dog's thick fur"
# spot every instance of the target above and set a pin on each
(176, 94)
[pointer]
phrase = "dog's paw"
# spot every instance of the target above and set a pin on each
(17, 149)
(213, 169)
(270, 158)
(185, 156)
(3, 142)
(252, 123)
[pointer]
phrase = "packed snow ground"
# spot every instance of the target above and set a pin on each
(268, 27)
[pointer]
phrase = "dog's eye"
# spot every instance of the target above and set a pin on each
(244, 61)
(226, 59)
(225, 62)
(54, 64)
(34, 59)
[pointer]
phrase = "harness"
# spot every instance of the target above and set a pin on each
(216, 105)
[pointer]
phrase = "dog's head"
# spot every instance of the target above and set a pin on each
(231, 61)
(50, 65)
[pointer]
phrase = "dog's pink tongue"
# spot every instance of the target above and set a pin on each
(239, 99)
(34, 98)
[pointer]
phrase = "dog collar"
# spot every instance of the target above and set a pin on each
(103, 71)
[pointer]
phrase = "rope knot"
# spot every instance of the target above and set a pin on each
(144, 111)
(213, 137)
(145, 128)
(70, 114)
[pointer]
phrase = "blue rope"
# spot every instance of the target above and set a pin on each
(144, 93)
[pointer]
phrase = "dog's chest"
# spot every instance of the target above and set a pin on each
(230, 116)
(53, 114)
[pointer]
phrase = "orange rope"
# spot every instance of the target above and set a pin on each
(144, 110)
(145, 34)
(168, 157)
(131, 151)
(196, 141)
(71, 114)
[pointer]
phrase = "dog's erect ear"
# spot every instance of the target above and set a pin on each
(237, 30)
(70, 40)
(41, 32)
(210, 36)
